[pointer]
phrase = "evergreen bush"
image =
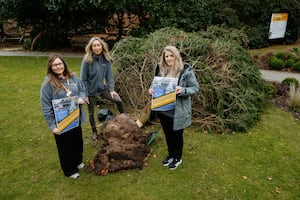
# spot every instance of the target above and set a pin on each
(289, 81)
(296, 66)
(232, 95)
(276, 63)
(289, 63)
(292, 56)
(280, 55)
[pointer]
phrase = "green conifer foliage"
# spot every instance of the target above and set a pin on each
(232, 95)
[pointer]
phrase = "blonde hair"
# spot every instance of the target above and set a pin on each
(178, 63)
(88, 50)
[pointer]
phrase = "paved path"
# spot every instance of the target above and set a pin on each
(17, 51)
(278, 76)
(268, 75)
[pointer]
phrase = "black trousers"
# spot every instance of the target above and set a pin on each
(70, 148)
(174, 139)
(91, 106)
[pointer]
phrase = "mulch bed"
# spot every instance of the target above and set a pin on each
(281, 100)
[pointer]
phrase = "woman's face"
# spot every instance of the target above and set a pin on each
(58, 67)
(96, 47)
(169, 58)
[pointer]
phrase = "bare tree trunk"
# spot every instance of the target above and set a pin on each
(120, 25)
(144, 116)
(2, 34)
(37, 38)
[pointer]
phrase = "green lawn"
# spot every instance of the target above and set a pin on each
(274, 49)
(261, 164)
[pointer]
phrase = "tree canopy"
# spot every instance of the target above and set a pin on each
(56, 19)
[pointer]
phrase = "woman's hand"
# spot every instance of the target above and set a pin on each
(178, 89)
(80, 101)
(151, 91)
(56, 131)
(113, 94)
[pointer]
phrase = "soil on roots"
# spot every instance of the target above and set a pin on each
(125, 147)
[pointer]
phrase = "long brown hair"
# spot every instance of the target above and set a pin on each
(53, 78)
(88, 50)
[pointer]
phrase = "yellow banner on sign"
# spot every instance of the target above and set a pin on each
(163, 100)
(68, 120)
(278, 25)
(280, 17)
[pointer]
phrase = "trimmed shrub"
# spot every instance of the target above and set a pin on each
(289, 63)
(276, 63)
(280, 55)
(290, 81)
(296, 66)
(292, 56)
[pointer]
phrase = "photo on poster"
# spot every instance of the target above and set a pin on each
(66, 111)
(164, 96)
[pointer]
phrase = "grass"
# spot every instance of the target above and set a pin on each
(276, 48)
(263, 163)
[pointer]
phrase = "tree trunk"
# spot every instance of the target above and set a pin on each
(37, 38)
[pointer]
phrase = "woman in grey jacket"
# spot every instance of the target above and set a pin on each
(174, 121)
(60, 83)
(97, 76)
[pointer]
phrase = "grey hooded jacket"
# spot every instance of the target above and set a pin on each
(47, 94)
(183, 109)
(97, 76)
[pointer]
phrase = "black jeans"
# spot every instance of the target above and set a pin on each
(174, 139)
(70, 149)
(91, 106)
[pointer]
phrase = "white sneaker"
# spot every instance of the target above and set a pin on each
(80, 166)
(167, 161)
(174, 164)
(74, 176)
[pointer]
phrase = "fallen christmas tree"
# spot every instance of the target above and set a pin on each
(232, 93)
(125, 147)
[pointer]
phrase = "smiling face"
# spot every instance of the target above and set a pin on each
(96, 47)
(58, 67)
(169, 58)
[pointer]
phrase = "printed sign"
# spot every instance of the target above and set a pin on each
(164, 96)
(278, 25)
(66, 112)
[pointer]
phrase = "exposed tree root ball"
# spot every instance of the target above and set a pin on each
(125, 147)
